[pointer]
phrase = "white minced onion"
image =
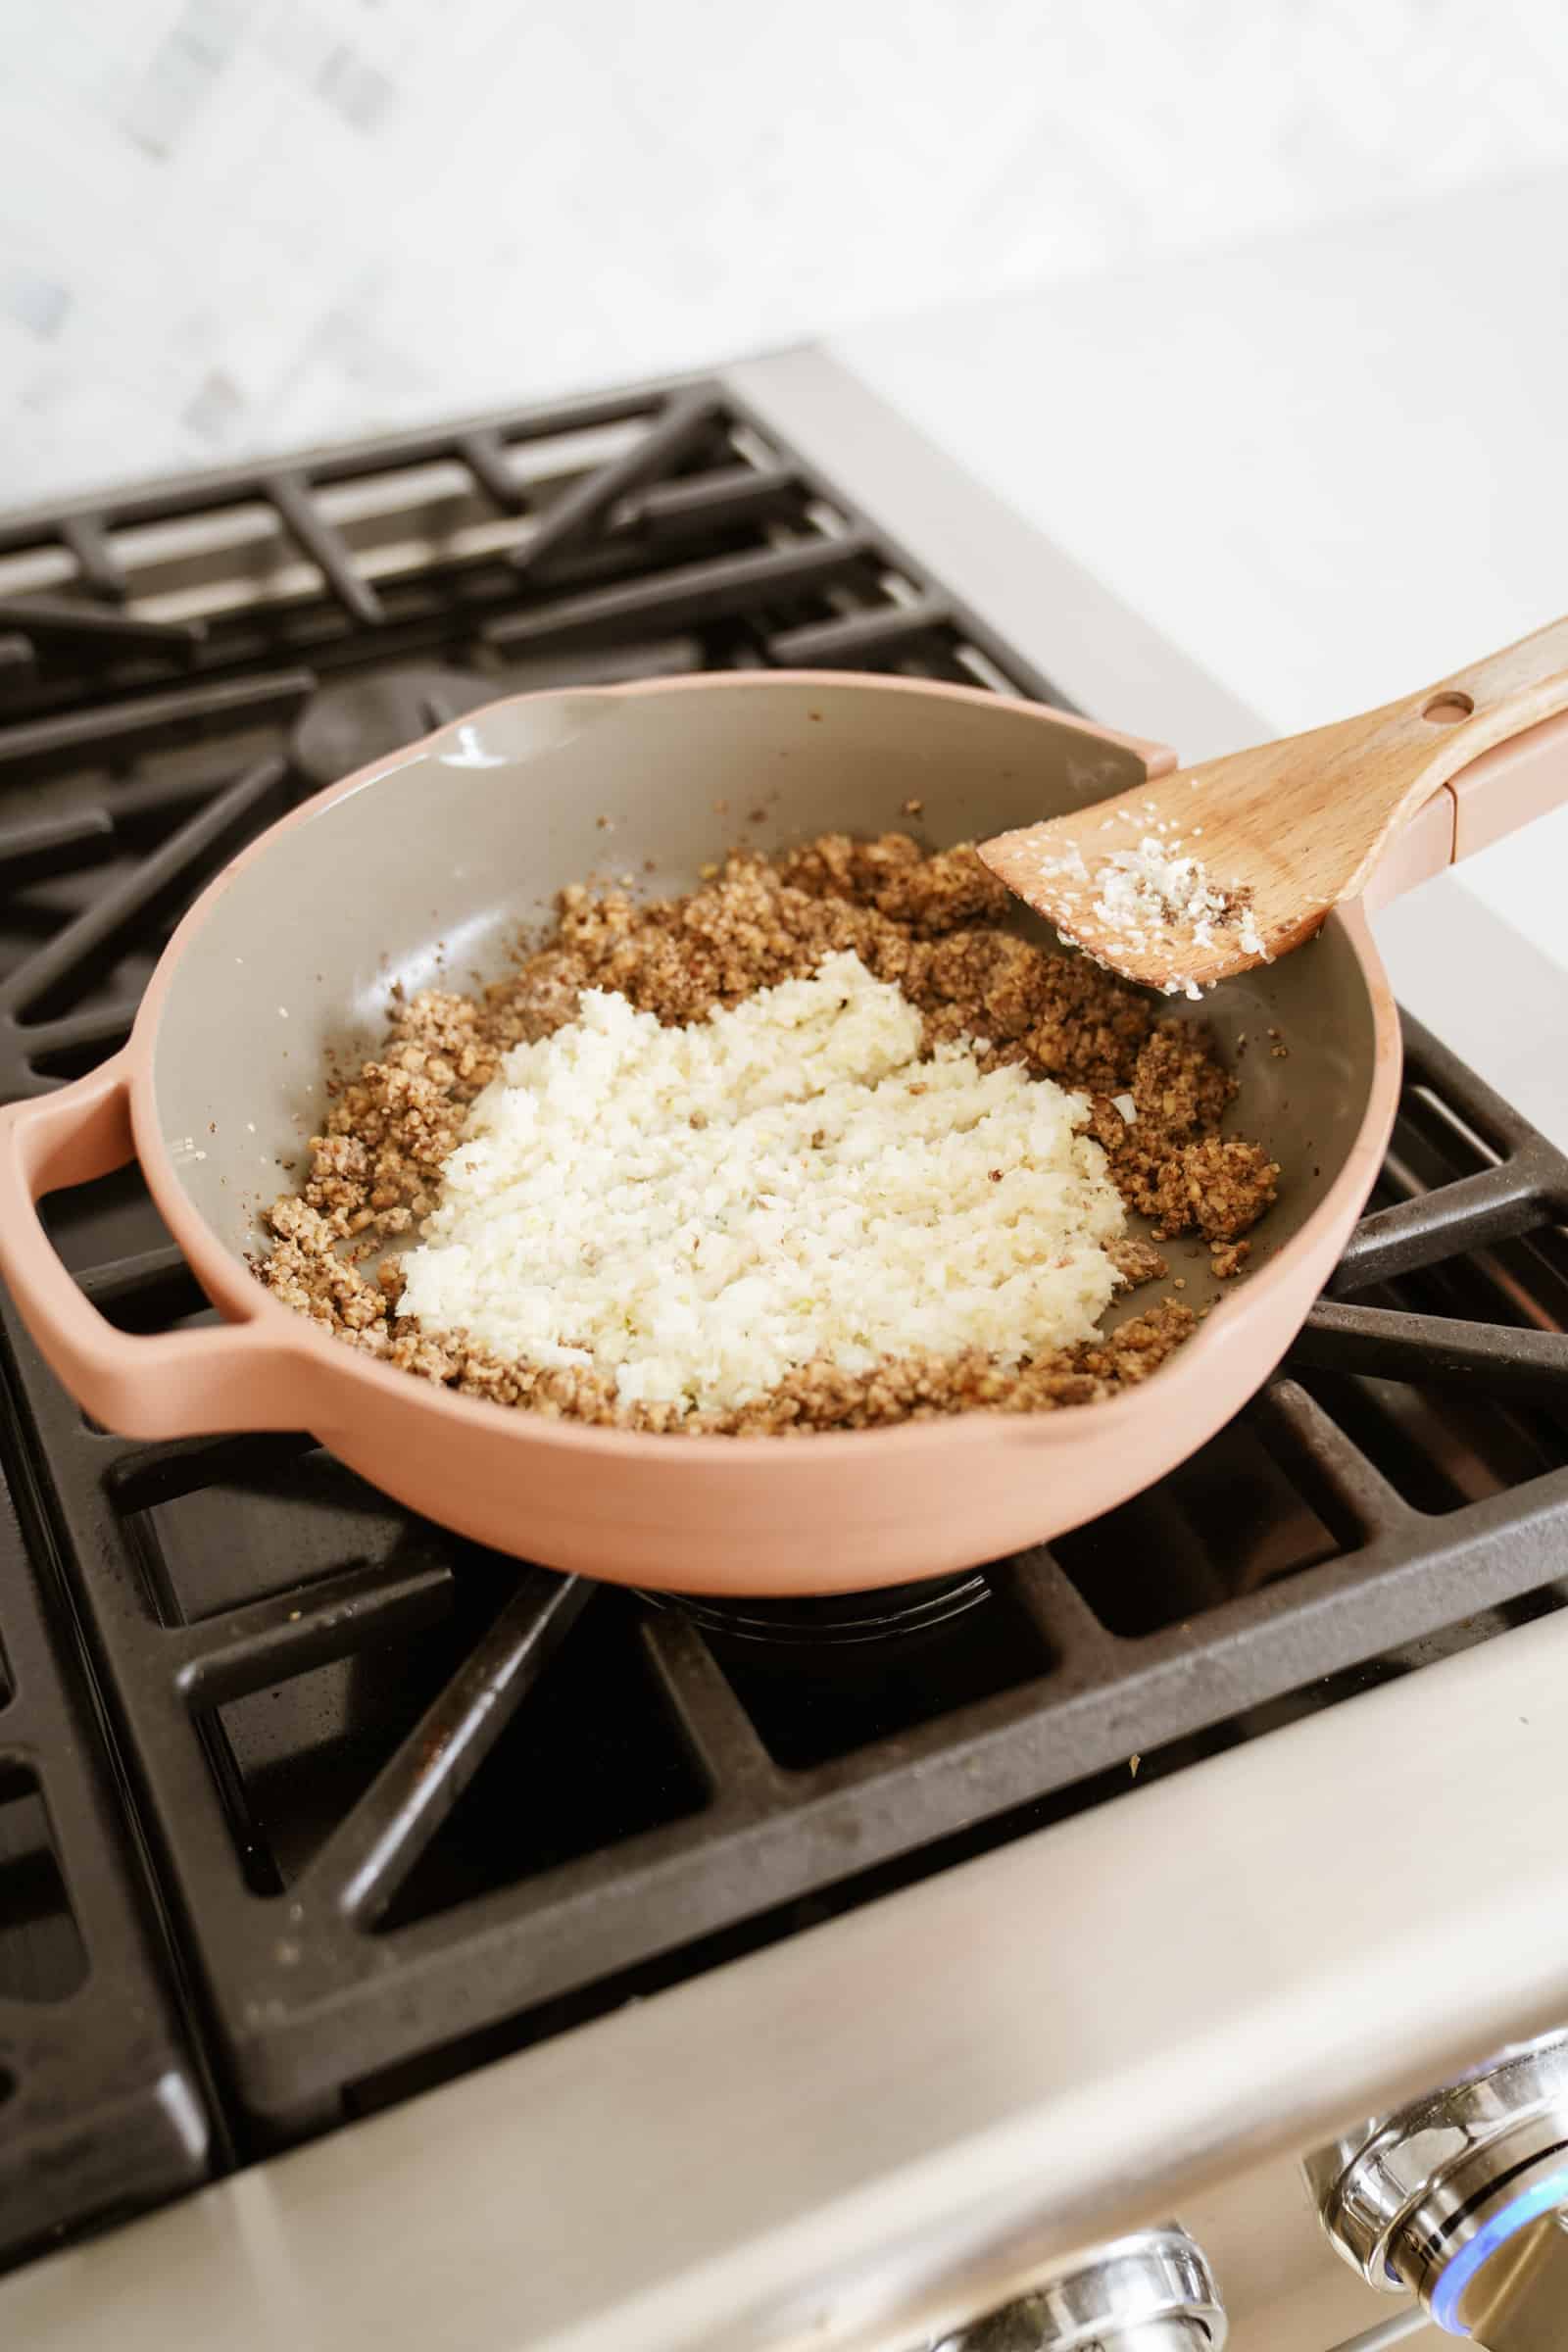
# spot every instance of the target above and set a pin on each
(700, 1210)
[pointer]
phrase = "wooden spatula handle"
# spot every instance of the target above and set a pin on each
(1502, 692)
(1497, 735)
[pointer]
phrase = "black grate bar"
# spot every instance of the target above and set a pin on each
(1392, 1345)
(127, 1278)
(1057, 1610)
(484, 454)
(270, 1641)
(389, 452)
(728, 494)
(290, 494)
(688, 421)
(886, 629)
(1350, 1492)
(84, 537)
(717, 1727)
(72, 1032)
(17, 656)
(369, 1854)
(156, 795)
(105, 2109)
(53, 842)
(1494, 1204)
(127, 727)
(620, 665)
(140, 1474)
(713, 590)
(136, 896)
(70, 624)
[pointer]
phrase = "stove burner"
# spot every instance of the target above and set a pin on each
(812, 1622)
(346, 726)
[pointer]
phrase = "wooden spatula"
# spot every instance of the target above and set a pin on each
(1199, 875)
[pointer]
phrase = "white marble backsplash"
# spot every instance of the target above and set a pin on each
(231, 226)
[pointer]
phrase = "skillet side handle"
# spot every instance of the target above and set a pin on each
(1500, 791)
(170, 1385)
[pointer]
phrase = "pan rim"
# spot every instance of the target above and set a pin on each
(228, 1283)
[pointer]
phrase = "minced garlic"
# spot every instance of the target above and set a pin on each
(699, 1209)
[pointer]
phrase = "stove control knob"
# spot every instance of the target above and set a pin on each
(1461, 2199)
(1150, 2293)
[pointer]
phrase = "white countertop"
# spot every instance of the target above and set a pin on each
(1328, 466)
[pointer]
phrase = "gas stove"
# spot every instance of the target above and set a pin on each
(306, 1806)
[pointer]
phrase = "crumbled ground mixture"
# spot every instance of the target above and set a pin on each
(930, 923)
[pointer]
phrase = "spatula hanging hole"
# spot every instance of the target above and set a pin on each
(1446, 710)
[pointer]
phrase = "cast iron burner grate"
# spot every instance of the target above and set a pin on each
(291, 623)
(102, 2107)
(405, 1803)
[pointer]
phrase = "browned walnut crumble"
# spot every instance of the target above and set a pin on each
(929, 923)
